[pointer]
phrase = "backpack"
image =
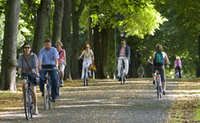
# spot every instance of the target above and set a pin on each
(158, 59)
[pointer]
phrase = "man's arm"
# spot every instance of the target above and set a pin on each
(151, 60)
(40, 64)
(166, 59)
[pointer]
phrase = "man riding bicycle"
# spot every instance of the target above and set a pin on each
(123, 53)
(158, 59)
(48, 59)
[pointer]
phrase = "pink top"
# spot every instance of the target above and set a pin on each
(122, 52)
(61, 55)
(177, 63)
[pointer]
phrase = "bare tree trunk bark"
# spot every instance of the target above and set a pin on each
(66, 35)
(97, 51)
(75, 44)
(57, 20)
(9, 62)
(198, 63)
(41, 25)
(104, 52)
(90, 34)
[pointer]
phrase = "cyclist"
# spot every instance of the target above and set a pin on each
(30, 58)
(123, 53)
(61, 60)
(88, 58)
(48, 59)
(158, 59)
(178, 65)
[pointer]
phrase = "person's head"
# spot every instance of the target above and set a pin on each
(59, 45)
(26, 48)
(159, 48)
(178, 58)
(123, 42)
(48, 43)
(86, 47)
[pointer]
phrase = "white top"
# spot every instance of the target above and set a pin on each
(87, 55)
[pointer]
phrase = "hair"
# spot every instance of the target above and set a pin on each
(25, 45)
(159, 48)
(48, 40)
(123, 40)
(60, 43)
(84, 47)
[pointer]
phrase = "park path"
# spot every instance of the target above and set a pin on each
(103, 101)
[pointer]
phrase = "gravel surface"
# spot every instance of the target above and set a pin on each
(103, 101)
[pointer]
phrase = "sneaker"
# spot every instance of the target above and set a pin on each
(119, 79)
(53, 100)
(153, 82)
(62, 84)
(164, 92)
(36, 112)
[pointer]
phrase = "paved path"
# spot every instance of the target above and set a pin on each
(103, 101)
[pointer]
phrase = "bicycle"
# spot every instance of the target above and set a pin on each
(86, 79)
(122, 72)
(158, 83)
(47, 90)
(28, 100)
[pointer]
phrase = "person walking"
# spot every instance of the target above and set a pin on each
(178, 66)
(28, 65)
(48, 59)
(140, 71)
(61, 60)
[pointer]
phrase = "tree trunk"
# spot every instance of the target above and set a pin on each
(9, 62)
(104, 53)
(66, 35)
(97, 51)
(75, 43)
(41, 25)
(90, 30)
(57, 20)
(198, 65)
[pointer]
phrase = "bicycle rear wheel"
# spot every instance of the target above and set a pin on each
(46, 97)
(158, 91)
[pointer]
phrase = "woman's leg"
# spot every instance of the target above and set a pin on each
(33, 90)
(23, 87)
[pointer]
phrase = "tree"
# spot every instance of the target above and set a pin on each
(66, 34)
(75, 41)
(41, 25)
(9, 61)
(57, 20)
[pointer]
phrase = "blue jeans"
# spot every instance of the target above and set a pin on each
(53, 77)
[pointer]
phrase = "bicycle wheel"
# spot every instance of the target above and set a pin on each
(122, 76)
(85, 79)
(27, 104)
(158, 90)
(46, 97)
(59, 83)
(49, 97)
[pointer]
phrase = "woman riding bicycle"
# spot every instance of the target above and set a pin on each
(88, 58)
(31, 59)
(158, 59)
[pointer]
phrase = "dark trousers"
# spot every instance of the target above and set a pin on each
(178, 69)
(53, 77)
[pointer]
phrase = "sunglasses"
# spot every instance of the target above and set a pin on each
(27, 47)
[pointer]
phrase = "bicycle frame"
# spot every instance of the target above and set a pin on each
(47, 90)
(85, 79)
